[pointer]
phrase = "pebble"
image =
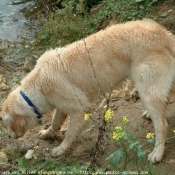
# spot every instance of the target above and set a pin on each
(3, 159)
(29, 154)
(163, 15)
(170, 10)
(3, 85)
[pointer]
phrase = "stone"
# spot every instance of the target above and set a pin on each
(3, 161)
(170, 10)
(163, 15)
(29, 154)
(3, 85)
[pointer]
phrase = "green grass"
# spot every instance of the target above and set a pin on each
(72, 23)
(41, 166)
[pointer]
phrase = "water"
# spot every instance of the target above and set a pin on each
(15, 18)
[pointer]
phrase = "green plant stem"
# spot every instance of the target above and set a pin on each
(126, 155)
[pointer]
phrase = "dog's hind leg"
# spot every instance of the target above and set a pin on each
(156, 109)
(153, 81)
(76, 123)
(57, 120)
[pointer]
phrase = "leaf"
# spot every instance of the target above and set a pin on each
(117, 157)
(150, 168)
(112, 165)
(23, 164)
(141, 154)
(130, 138)
(110, 156)
(47, 165)
(140, 146)
(151, 141)
(133, 145)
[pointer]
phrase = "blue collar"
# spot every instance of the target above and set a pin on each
(30, 104)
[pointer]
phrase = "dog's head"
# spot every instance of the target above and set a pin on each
(15, 115)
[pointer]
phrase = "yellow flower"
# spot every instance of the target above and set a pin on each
(105, 106)
(150, 135)
(174, 131)
(86, 116)
(117, 136)
(125, 120)
(119, 133)
(109, 114)
(118, 128)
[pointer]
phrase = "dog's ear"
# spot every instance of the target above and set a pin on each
(23, 123)
(18, 125)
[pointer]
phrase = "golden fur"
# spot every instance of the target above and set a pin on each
(71, 80)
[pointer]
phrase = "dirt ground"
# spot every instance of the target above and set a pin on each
(11, 72)
(82, 150)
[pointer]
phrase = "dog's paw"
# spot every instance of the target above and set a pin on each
(44, 134)
(156, 156)
(146, 115)
(56, 152)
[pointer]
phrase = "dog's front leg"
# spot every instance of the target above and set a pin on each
(76, 123)
(57, 121)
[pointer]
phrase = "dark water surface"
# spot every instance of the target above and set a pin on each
(15, 18)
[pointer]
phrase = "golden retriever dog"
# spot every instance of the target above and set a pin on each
(71, 80)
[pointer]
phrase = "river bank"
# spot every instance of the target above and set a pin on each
(18, 19)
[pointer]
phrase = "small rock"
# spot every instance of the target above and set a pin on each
(29, 154)
(170, 10)
(163, 15)
(3, 159)
(3, 85)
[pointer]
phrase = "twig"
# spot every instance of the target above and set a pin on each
(100, 89)
(102, 130)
